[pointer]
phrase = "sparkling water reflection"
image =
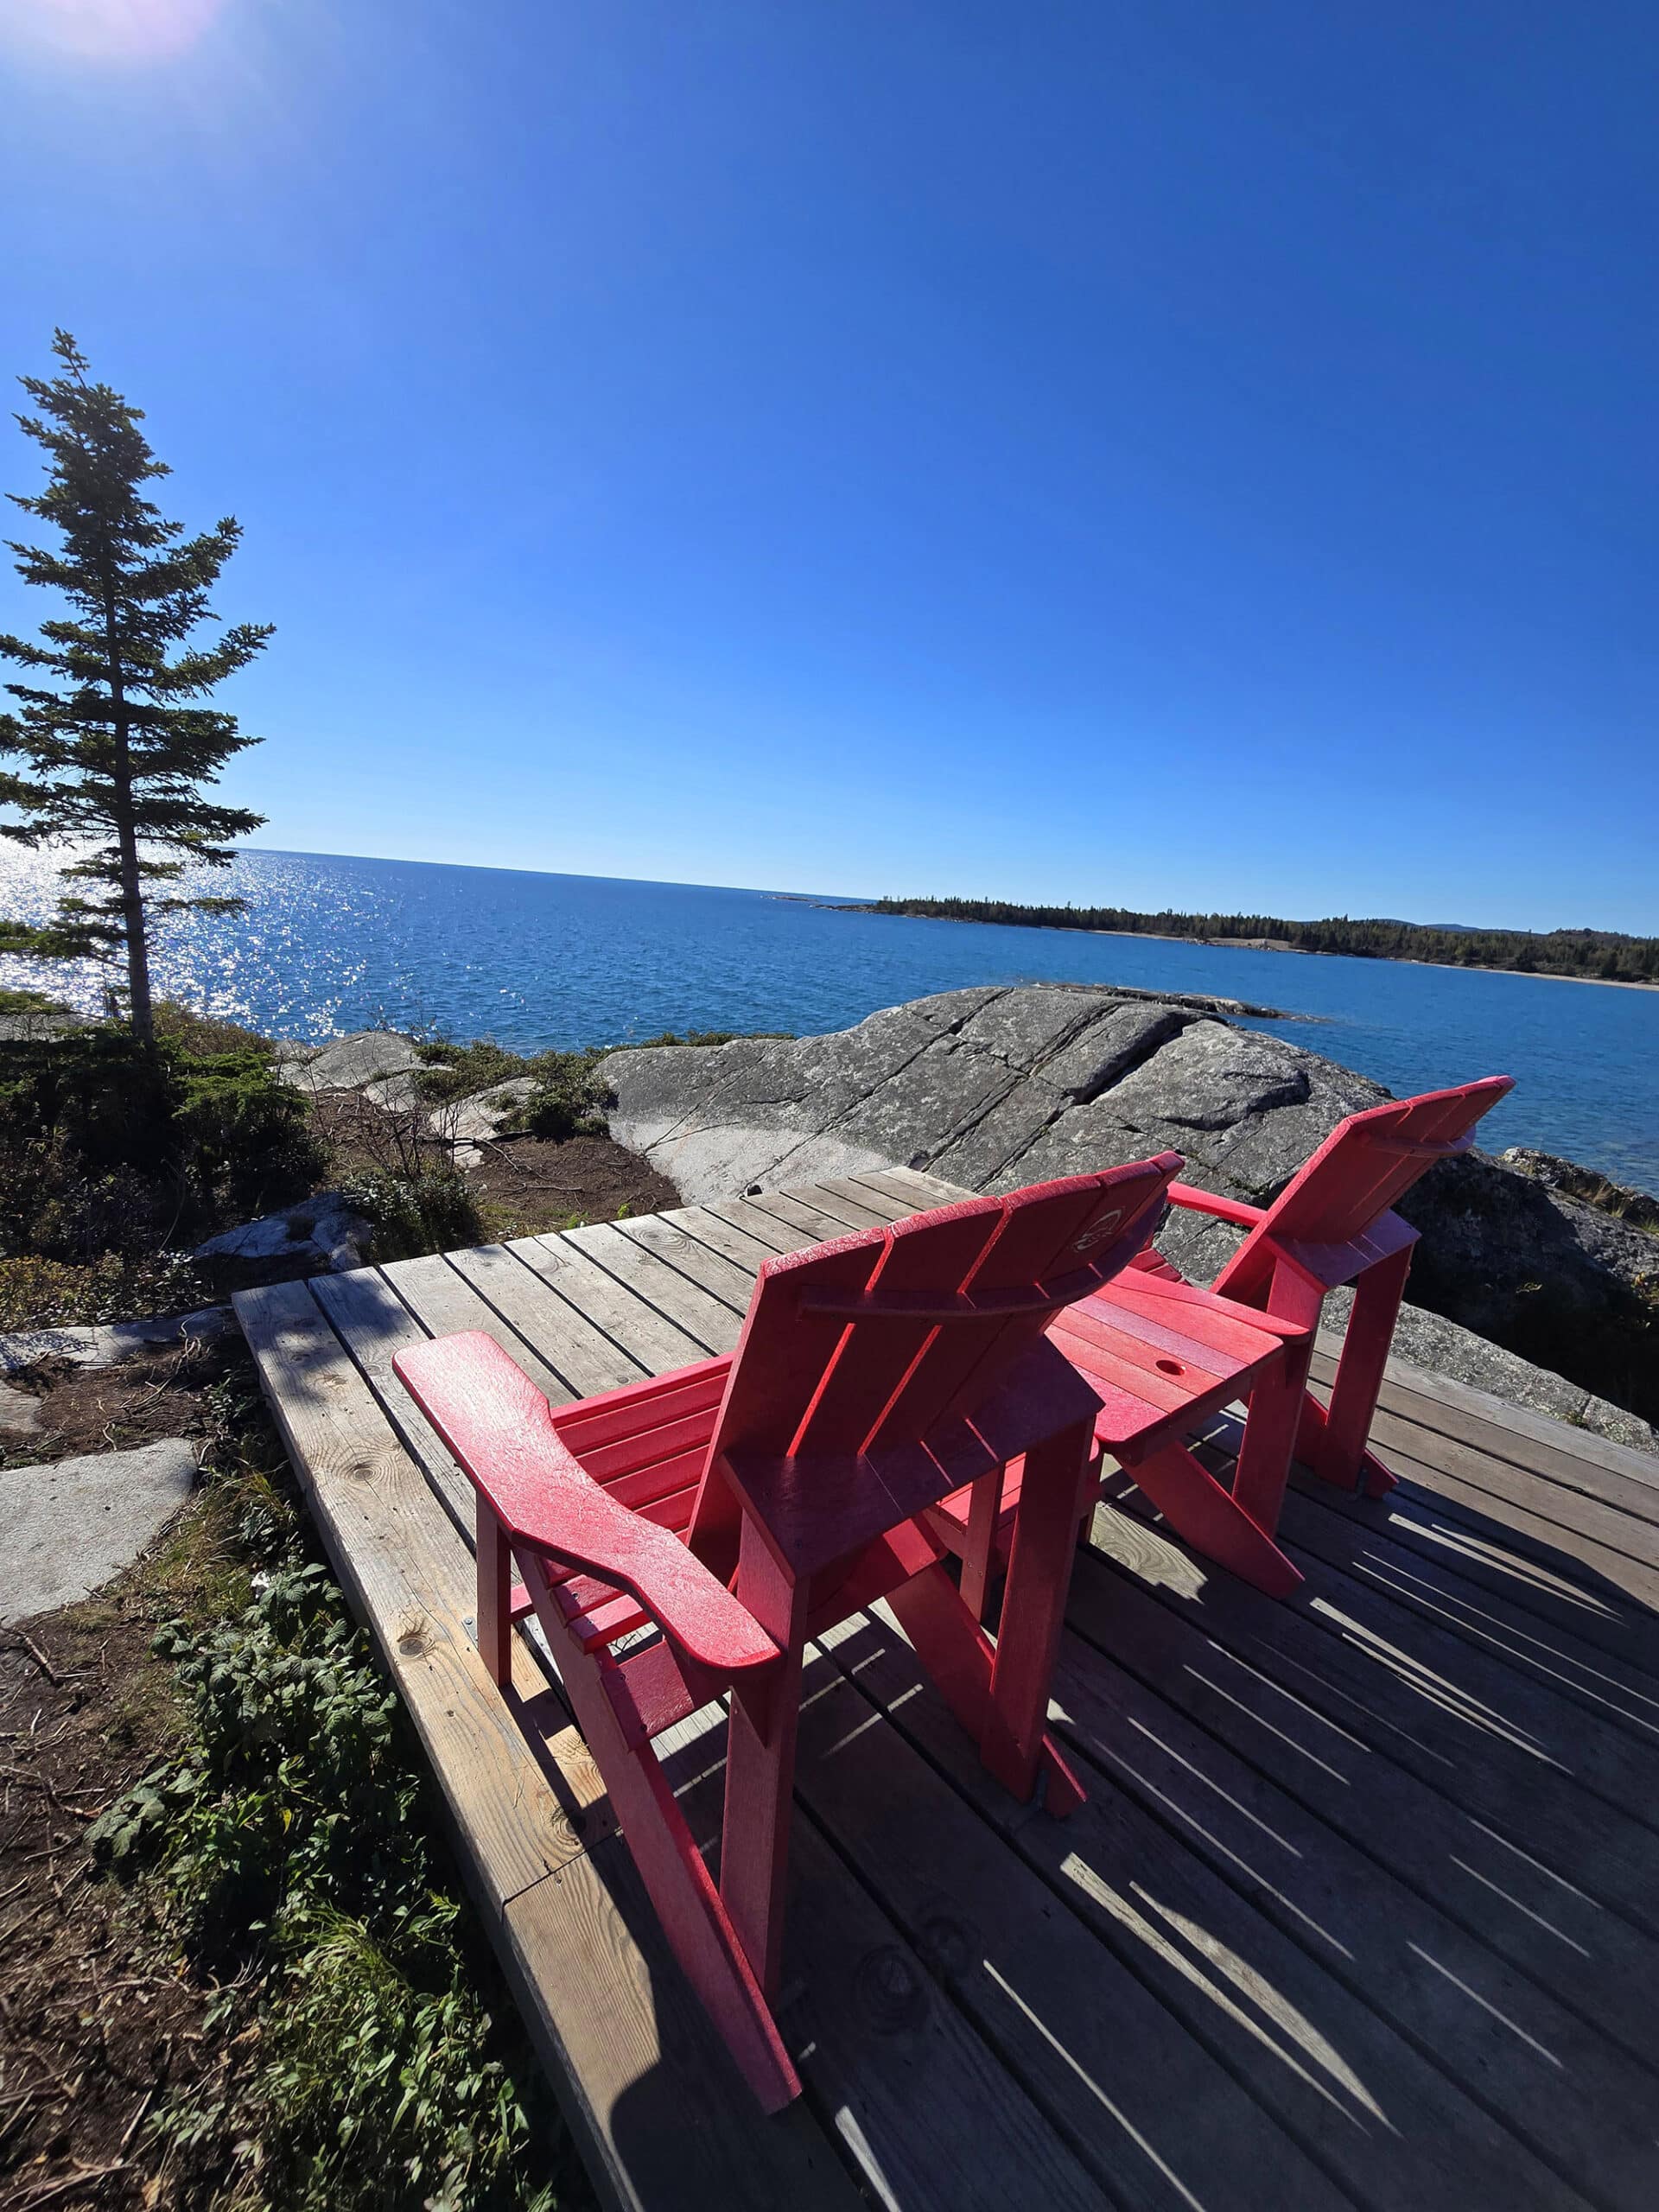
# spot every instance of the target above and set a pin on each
(330, 943)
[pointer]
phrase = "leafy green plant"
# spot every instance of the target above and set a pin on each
(457, 1071)
(569, 1098)
(432, 1210)
(37, 1294)
(704, 1038)
(290, 1837)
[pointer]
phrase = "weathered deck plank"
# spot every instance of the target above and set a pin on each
(1360, 1910)
(1489, 1554)
(1285, 1722)
(1328, 2054)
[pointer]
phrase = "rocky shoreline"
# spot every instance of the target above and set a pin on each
(1536, 1280)
(1520, 1286)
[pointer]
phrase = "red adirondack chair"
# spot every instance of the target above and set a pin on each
(1333, 1224)
(1164, 1355)
(743, 1504)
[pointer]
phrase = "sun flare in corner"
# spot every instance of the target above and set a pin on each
(111, 30)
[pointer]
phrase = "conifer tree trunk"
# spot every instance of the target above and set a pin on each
(139, 1015)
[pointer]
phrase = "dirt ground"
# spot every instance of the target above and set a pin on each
(117, 1409)
(525, 1187)
(95, 2021)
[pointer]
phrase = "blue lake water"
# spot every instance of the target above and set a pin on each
(331, 944)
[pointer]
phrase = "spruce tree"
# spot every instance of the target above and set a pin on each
(117, 742)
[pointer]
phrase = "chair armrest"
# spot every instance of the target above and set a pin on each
(499, 1426)
(1237, 1210)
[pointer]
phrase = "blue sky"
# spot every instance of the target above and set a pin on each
(1191, 453)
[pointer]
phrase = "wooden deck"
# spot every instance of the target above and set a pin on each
(1363, 1909)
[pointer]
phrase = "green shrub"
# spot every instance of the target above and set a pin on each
(457, 1071)
(433, 1211)
(290, 1836)
(37, 1294)
(107, 1146)
(245, 1138)
(704, 1038)
(569, 1098)
(207, 1032)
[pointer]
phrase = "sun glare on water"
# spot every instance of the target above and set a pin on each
(113, 30)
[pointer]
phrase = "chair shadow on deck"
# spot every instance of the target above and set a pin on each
(1386, 1850)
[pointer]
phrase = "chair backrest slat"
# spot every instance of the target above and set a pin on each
(1051, 1230)
(825, 1369)
(934, 1252)
(1367, 1162)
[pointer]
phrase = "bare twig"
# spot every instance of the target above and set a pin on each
(131, 2128)
(45, 1665)
(38, 1782)
(83, 2179)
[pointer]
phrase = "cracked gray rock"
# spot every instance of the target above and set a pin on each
(991, 1088)
(348, 1063)
(998, 1087)
(398, 1094)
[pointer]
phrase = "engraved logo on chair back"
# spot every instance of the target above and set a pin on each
(875, 1339)
(1367, 1162)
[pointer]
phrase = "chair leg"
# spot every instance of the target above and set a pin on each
(677, 1881)
(979, 1551)
(958, 1656)
(1342, 1457)
(494, 1563)
(760, 1766)
(1211, 1520)
(1271, 1423)
(1033, 1605)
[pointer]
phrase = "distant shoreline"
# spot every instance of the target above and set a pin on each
(1509, 952)
(1392, 960)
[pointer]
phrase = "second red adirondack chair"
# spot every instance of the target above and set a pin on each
(1165, 1354)
(1333, 1225)
(741, 1505)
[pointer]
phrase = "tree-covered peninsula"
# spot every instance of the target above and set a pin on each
(1602, 956)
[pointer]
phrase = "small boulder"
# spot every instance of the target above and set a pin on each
(107, 1344)
(474, 1121)
(398, 1094)
(350, 1063)
(30, 1025)
(322, 1232)
(20, 1413)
